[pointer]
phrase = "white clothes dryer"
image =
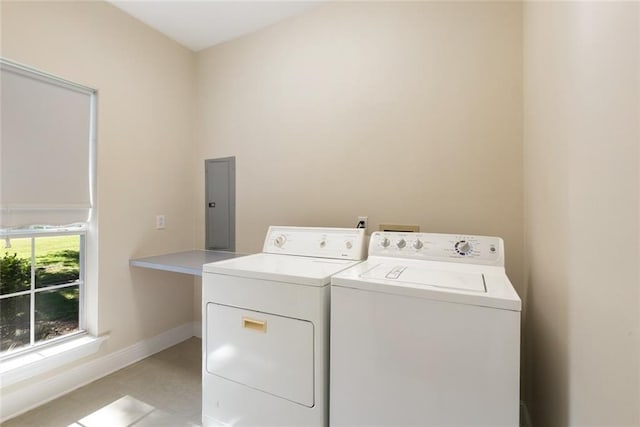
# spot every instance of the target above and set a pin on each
(426, 332)
(266, 328)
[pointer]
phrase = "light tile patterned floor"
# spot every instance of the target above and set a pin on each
(161, 390)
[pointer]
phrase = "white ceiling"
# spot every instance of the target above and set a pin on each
(198, 24)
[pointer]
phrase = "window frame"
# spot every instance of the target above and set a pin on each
(33, 290)
(76, 343)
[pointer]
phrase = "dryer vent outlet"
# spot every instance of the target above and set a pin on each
(402, 228)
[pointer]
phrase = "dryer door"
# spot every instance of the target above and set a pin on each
(264, 351)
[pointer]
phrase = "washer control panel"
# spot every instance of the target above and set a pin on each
(438, 247)
(323, 242)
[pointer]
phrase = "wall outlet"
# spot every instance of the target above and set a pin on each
(362, 222)
(160, 224)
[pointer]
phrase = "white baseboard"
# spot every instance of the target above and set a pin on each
(197, 329)
(23, 399)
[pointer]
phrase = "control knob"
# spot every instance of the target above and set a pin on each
(385, 242)
(279, 241)
(323, 243)
(418, 244)
(348, 244)
(401, 243)
(463, 247)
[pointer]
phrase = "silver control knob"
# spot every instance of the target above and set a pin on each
(323, 243)
(348, 244)
(385, 242)
(463, 247)
(401, 243)
(279, 241)
(418, 244)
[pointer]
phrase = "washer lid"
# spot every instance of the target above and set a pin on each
(420, 275)
(302, 270)
(479, 285)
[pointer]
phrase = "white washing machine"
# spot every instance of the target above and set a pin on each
(266, 328)
(426, 332)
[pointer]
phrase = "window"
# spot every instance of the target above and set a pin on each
(41, 287)
(47, 186)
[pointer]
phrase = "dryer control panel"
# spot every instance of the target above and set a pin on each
(321, 242)
(468, 249)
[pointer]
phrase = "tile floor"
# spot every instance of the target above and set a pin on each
(161, 390)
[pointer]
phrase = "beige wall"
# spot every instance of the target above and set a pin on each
(581, 137)
(145, 150)
(407, 113)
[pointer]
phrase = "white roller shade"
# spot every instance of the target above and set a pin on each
(45, 150)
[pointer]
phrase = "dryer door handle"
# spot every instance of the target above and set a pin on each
(254, 324)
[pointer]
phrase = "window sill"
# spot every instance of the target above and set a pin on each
(39, 361)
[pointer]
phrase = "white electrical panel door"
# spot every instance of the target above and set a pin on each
(263, 351)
